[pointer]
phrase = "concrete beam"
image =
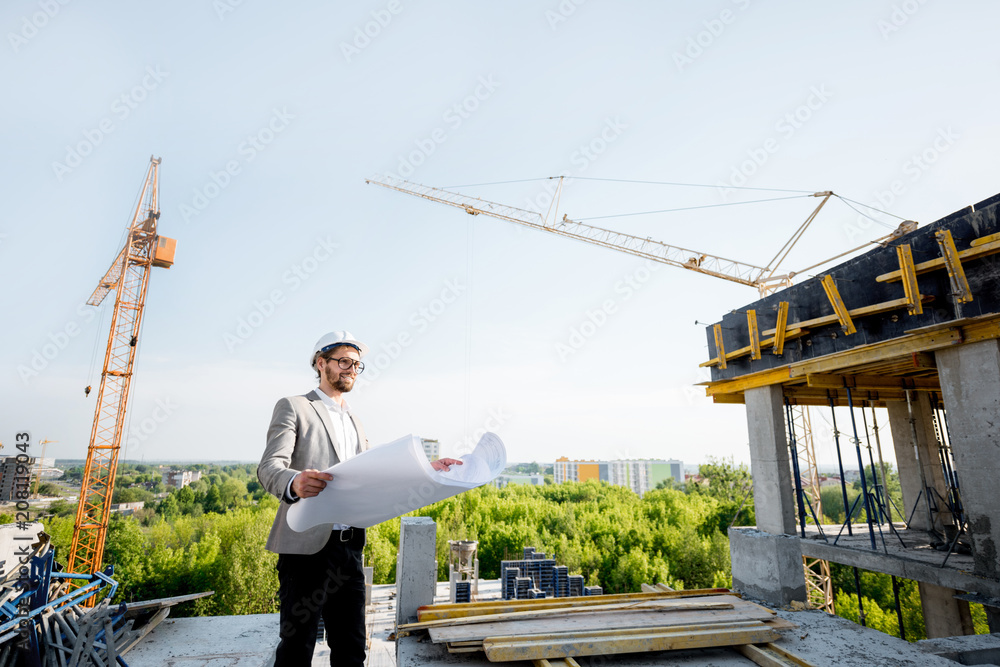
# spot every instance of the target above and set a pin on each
(970, 386)
(911, 457)
(905, 568)
(416, 566)
(774, 497)
(767, 567)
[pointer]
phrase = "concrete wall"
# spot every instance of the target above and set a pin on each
(767, 567)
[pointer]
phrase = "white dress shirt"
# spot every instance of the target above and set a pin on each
(345, 433)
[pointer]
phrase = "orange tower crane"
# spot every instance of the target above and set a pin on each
(128, 277)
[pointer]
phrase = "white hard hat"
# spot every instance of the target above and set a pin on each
(333, 339)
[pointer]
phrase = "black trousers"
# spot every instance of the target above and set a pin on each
(330, 583)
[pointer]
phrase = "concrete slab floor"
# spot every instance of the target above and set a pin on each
(917, 560)
(216, 641)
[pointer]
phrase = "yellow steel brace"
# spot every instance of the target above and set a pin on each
(720, 349)
(754, 334)
(910, 286)
(780, 327)
(838, 305)
(959, 285)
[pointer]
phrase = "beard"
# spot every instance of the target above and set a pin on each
(342, 383)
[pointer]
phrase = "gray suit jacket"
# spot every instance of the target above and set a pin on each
(300, 436)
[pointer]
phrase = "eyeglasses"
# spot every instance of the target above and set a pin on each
(346, 363)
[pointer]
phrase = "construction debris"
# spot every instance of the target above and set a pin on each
(43, 614)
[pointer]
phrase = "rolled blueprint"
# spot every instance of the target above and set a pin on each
(391, 480)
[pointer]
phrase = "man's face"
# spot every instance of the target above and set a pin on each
(338, 378)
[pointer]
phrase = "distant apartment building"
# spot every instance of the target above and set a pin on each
(127, 509)
(178, 479)
(534, 479)
(432, 448)
(639, 475)
(11, 481)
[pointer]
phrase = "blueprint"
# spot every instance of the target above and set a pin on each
(393, 479)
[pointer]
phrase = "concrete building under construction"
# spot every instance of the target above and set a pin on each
(913, 327)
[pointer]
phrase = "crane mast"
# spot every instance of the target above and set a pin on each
(128, 277)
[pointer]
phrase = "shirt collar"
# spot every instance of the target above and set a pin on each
(330, 403)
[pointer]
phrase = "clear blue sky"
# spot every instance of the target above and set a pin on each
(302, 105)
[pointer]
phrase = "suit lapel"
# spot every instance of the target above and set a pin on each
(362, 438)
(324, 415)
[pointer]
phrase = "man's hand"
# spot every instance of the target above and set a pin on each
(444, 465)
(309, 483)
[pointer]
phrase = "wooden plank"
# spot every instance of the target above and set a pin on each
(839, 307)
(599, 621)
(975, 252)
(771, 655)
(871, 382)
(960, 289)
(754, 334)
(897, 347)
(760, 379)
(619, 608)
(459, 610)
(910, 287)
(508, 649)
(863, 311)
(720, 350)
(799, 329)
(790, 334)
(780, 329)
(983, 240)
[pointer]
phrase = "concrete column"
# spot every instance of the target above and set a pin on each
(944, 616)
(416, 566)
(767, 567)
(773, 492)
(970, 385)
(907, 461)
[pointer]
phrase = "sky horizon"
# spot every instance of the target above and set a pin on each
(268, 120)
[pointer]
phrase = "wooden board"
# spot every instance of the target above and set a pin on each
(535, 647)
(457, 610)
(621, 607)
(587, 622)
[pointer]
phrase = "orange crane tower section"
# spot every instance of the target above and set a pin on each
(129, 278)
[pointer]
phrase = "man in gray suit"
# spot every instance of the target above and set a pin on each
(319, 571)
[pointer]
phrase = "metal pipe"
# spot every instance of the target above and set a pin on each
(899, 609)
(879, 487)
(840, 463)
(795, 468)
(881, 463)
(861, 466)
(920, 464)
(861, 606)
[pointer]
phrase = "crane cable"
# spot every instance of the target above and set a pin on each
(850, 203)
